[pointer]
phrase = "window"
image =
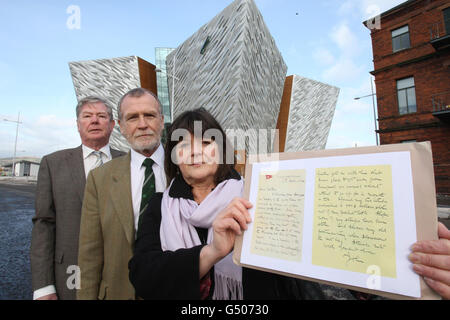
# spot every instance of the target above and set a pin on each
(447, 20)
(400, 39)
(406, 93)
(409, 141)
(26, 169)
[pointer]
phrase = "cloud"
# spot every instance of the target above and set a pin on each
(366, 9)
(323, 56)
(38, 137)
(346, 40)
(349, 129)
(347, 7)
(344, 70)
(51, 121)
(343, 66)
(353, 121)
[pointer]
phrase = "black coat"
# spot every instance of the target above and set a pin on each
(169, 275)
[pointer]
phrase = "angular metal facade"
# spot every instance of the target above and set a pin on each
(311, 112)
(109, 79)
(231, 67)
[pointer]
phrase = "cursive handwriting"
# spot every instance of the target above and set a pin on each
(353, 218)
(278, 220)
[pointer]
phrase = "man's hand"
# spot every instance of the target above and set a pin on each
(432, 261)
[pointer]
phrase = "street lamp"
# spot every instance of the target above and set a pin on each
(374, 111)
(172, 106)
(15, 144)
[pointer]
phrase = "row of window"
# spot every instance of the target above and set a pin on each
(406, 93)
(401, 39)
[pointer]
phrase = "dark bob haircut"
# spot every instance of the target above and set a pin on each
(187, 122)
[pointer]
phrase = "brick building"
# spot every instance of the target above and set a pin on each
(411, 56)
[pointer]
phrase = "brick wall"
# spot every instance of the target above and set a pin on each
(431, 72)
(420, 16)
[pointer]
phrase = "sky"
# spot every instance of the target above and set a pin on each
(324, 40)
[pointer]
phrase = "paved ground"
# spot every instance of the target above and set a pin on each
(16, 211)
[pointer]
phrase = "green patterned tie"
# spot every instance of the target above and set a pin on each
(148, 188)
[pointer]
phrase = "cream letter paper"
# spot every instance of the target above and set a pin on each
(279, 215)
(345, 219)
(354, 219)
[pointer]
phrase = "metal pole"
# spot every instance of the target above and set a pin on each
(15, 146)
(374, 112)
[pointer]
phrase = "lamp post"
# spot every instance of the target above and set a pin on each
(15, 144)
(374, 110)
(172, 105)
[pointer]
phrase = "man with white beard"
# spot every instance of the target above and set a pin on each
(116, 194)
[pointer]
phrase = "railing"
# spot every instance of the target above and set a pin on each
(437, 30)
(441, 101)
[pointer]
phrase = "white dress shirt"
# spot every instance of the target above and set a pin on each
(138, 175)
(89, 161)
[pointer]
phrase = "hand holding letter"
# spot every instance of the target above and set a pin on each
(432, 261)
(228, 223)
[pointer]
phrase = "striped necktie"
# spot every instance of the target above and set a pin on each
(148, 188)
(99, 160)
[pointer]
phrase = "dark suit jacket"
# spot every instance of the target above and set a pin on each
(59, 196)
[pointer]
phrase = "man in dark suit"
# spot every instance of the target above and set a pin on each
(59, 195)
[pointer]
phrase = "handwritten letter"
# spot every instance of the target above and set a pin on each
(354, 219)
(278, 221)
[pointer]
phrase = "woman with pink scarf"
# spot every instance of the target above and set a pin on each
(186, 236)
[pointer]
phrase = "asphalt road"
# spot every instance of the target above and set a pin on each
(16, 211)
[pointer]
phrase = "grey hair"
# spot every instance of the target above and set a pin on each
(94, 99)
(137, 93)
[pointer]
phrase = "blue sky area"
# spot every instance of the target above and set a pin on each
(325, 41)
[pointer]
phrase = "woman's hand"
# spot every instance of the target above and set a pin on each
(432, 261)
(228, 223)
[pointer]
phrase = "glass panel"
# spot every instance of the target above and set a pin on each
(447, 20)
(163, 91)
(405, 41)
(405, 83)
(402, 102)
(396, 44)
(401, 42)
(411, 94)
(399, 31)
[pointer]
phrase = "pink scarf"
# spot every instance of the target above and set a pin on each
(180, 216)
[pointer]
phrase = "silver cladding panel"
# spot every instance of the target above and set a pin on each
(109, 79)
(239, 78)
(310, 115)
